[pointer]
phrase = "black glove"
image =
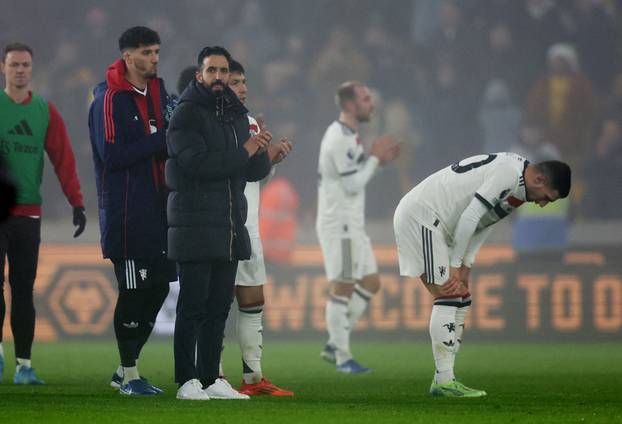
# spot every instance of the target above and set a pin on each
(79, 219)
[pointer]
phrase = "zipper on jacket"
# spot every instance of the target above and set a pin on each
(231, 234)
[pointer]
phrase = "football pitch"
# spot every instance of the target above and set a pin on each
(548, 383)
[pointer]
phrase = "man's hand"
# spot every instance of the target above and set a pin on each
(392, 153)
(453, 287)
(79, 219)
(454, 273)
(261, 121)
(465, 275)
(385, 149)
(278, 152)
(457, 284)
(258, 142)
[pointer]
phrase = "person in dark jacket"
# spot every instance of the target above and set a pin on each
(127, 124)
(212, 156)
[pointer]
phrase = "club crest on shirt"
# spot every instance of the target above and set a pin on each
(442, 270)
(253, 129)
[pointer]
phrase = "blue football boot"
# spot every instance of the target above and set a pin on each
(138, 387)
(352, 367)
(26, 375)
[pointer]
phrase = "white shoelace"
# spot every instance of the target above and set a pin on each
(226, 382)
(197, 384)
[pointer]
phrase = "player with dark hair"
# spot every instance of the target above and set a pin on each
(127, 122)
(441, 224)
(251, 274)
(213, 155)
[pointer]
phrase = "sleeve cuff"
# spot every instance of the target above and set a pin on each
(484, 201)
(374, 161)
(455, 263)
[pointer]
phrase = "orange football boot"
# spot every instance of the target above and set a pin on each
(264, 387)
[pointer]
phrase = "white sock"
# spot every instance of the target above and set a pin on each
(339, 326)
(130, 373)
(23, 363)
(119, 370)
(443, 335)
(460, 318)
(461, 313)
(358, 303)
(221, 371)
(1, 350)
(250, 337)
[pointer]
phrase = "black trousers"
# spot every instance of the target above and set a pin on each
(205, 296)
(143, 287)
(20, 237)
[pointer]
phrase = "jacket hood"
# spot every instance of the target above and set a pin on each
(115, 77)
(228, 105)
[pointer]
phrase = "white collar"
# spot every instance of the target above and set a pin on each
(139, 91)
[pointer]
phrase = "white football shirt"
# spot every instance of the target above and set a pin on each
(344, 170)
(252, 192)
(497, 180)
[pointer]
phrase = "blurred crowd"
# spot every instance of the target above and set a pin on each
(451, 78)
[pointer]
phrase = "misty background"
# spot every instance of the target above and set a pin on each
(451, 79)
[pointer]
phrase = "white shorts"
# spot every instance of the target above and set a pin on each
(421, 249)
(348, 259)
(253, 271)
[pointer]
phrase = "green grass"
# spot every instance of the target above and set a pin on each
(548, 383)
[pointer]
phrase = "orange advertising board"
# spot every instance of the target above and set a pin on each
(576, 295)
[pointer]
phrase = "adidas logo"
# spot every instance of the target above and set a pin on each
(132, 324)
(21, 129)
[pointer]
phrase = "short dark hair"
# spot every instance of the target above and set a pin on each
(211, 51)
(236, 67)
(558, 174)
(16, 47)
(137, 36)
(186, 75)
(346, 92)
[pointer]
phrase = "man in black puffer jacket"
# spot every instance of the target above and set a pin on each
(211, 157)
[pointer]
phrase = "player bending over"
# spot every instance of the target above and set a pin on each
(442, 222)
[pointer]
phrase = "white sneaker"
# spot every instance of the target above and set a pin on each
(221, 389)
(192, 390)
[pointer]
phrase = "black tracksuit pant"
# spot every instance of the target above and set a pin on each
(20, 237)
(205, 295)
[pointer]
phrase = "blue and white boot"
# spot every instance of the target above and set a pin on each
(138, 387)
(26, 375)
(353, 367)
